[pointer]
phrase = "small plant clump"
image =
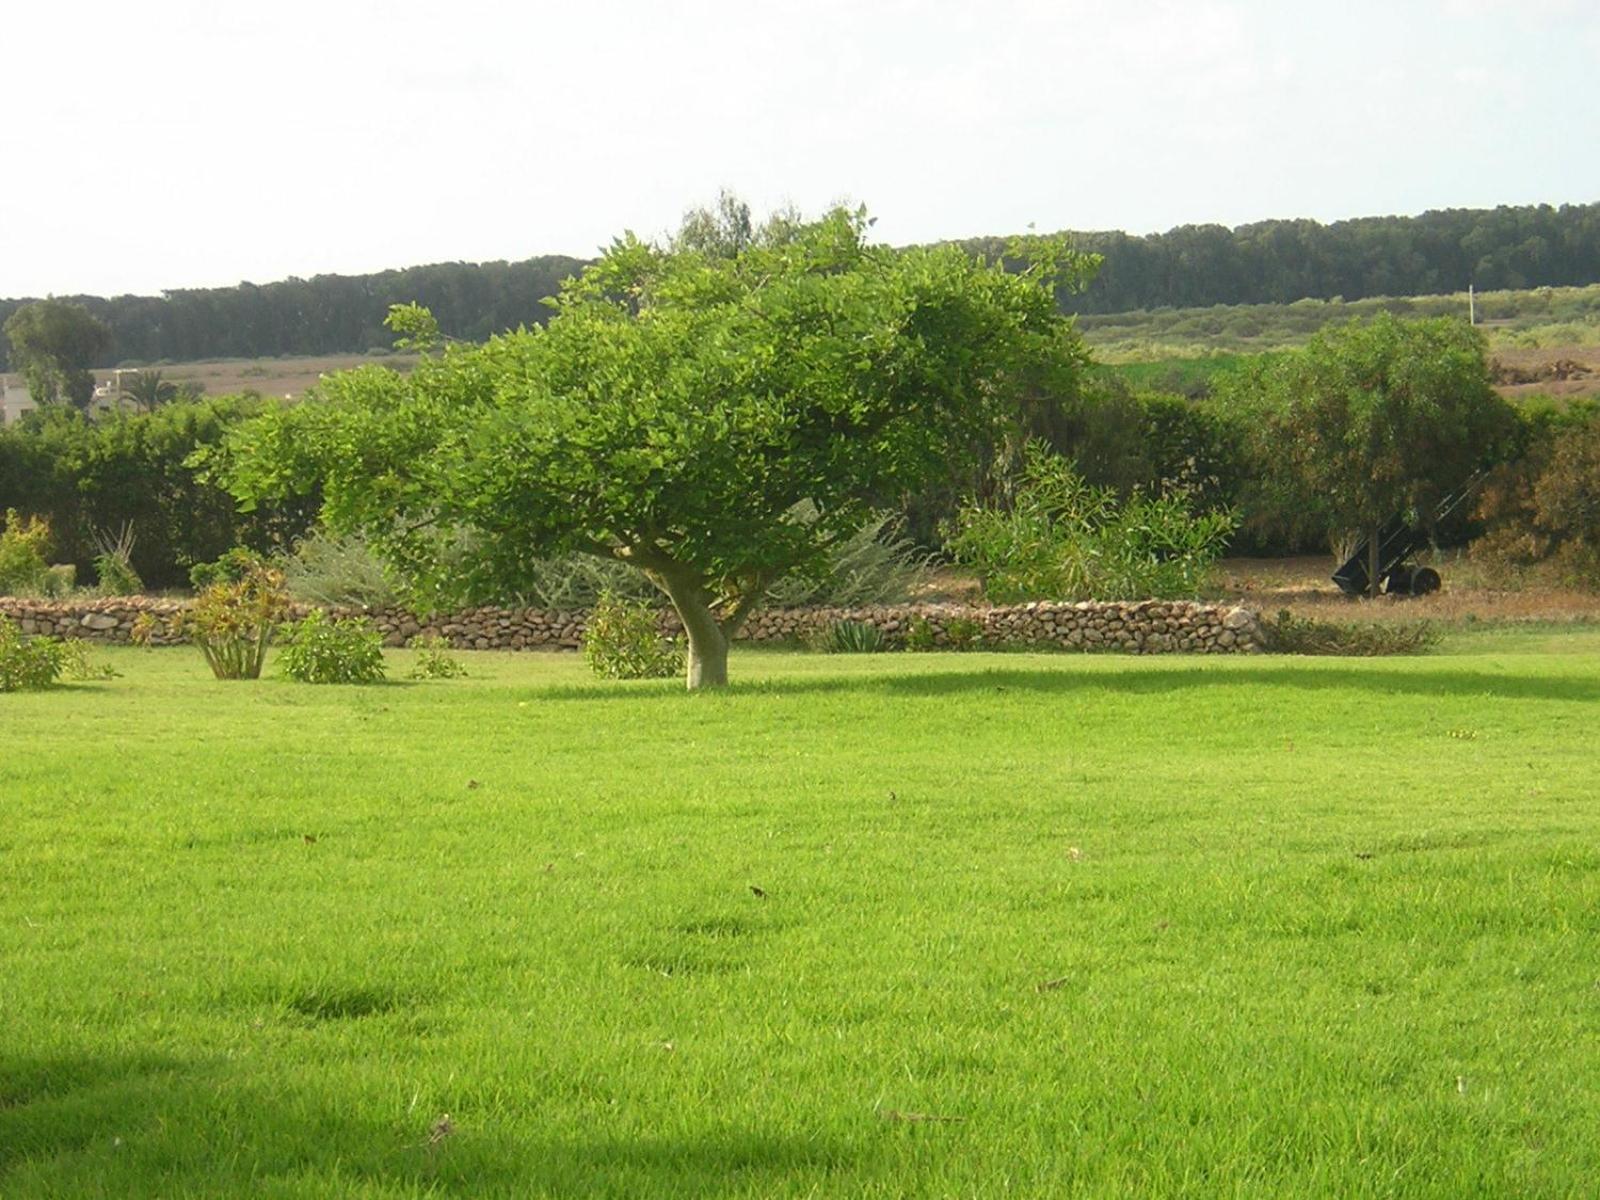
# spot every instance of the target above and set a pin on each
(434, 660)
(1289, 634)
(319, 649)
(23, 543)
(28, 663)
(623, 641)
(851, 637)
(113, 565)
(960, 633)
(1061, 538)
(242, 600)
(963, 633)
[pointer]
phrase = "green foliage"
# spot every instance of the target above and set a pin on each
(579, 580)
(148, 391)
(1372, 419)
(1289, 634)
(53, 344)
(116, 575)
(233, 617)
(113, 566)
(332, 570)
(231, 566)
(920, 637)
(319, 649)
(414, 327)
(623, 640)
(1544, 509)
(674, 412)
(963, 633)
(1060, 538)
(873, 565)
(29, 663)
(134, 469)
(850, 637)
(434, 660)
(23, 544)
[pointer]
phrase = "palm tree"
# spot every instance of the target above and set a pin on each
(148, 390)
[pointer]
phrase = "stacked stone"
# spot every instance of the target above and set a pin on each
(1130, 627)
(110, 619)
(1127, 627)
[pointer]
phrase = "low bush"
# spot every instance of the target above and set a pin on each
(875, 565)
(850, 637)
(233, 617)
(623, 641)
(1060, 538)
(319, 649)
(23, 544)
(113, 563)
(1289, 634)
(29, 663)
(434, 660)
(333, 570)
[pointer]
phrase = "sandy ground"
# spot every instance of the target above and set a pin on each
(1302, 585)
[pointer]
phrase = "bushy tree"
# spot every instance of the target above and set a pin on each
(54, 344)
(680, 404)
(1373, 419)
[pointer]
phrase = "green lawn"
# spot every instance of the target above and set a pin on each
(1142, 927)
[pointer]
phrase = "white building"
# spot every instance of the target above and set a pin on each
(15, 401)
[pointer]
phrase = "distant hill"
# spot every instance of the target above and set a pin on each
(1270, 262)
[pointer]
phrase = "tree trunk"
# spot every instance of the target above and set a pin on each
(708, 642)
(1372, 564)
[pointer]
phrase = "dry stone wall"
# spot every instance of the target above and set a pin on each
(1134, 627)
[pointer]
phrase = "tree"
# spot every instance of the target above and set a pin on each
(1373, 419)
(53, 344)
(675, 413)
(148, 390)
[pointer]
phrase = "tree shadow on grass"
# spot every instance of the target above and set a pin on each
(1273, 674)
(148, 1124)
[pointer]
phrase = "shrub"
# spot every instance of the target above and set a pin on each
(1060, 538)
(874, 565)
(233, 618)
(327, 569)
(434, 660)
(960, 633)
(1545, 510)
(318, 649)
(29, 663)
(963, 633)
(58, 581)
(113, 565)
(623, 641)
(851, 637)
(1289, 634)
(23, 543)
(232, 566)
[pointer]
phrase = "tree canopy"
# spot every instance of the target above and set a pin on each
(713, 414)
(1373, 419)
(53, 344)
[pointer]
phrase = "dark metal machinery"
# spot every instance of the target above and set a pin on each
(1399, 542)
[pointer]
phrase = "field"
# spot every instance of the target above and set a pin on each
(876, 926)
(1558, 321)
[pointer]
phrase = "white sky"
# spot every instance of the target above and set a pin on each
(170, 143)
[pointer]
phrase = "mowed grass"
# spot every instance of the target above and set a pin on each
(882, 926)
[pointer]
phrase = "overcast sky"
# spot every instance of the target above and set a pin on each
(172, 144)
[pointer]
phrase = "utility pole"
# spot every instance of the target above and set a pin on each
(1472, 307)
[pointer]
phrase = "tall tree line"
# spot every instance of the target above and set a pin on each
(1194, 265)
